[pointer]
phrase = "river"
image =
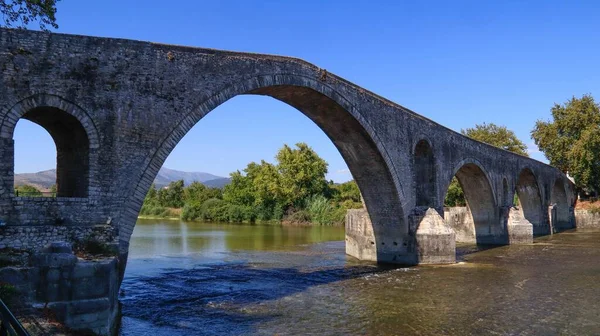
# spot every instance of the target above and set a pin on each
(224, 279)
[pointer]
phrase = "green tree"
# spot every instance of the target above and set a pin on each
(568, 141)
(27, 190)
(498, 136)
(455, 196)
(172, 195)
(302, 173)
(20, 13)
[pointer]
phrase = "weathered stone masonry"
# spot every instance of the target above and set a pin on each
(126, 104)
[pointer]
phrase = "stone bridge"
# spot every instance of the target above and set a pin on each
(116, 109)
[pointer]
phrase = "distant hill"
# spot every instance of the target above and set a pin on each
(45, 179)
(42, 180)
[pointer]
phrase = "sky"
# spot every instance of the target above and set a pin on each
(459, 63)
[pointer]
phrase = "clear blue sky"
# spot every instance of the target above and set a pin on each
(456, 62)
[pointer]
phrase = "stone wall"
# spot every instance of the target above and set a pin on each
(360, 239)
(82, 294)
(37, 237)
(460, 220)
(585, 219)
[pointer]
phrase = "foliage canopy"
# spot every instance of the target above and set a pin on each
(21, 13)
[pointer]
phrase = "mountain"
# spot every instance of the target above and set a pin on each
(42, 180)
(45, 179)
(166, 175)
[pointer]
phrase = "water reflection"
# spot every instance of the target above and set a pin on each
(209, 279)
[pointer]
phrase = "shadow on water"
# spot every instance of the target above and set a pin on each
(225, 298)
(463, 250)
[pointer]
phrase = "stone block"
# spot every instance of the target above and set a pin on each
(436, 243)
(520, 230)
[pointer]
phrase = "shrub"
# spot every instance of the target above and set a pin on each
(299, 217)
(320, 210)
(215, 210)
(192, 211)
(236, 213)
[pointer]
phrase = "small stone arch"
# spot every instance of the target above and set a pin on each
(425, 174)
(559, 206)
(73, 132)
(481, 202)
(531, 201)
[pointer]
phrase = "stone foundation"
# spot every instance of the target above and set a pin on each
(520, 230)
(360, 239)
(82, 294)
(585, 219)
(436, 241)
(460, 220)
(37, 237)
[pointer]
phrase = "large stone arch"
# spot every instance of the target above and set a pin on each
(349, 131)
(482, 223)
(559, 206)
(530, 200)
(74, 134)
(424, 174)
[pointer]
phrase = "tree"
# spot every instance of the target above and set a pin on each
(172, 195)
(302, 173)
(492, 134)
(569, 140)
(27, 190)
(498, 136)
(20, 13)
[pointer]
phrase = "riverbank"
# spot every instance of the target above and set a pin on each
(257, 222)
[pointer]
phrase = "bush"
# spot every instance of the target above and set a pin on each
(350, 204)
(299, 217)
(192, 211)
(215, 210)
(236, 213)
(320, 210)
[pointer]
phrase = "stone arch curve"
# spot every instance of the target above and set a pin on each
(481, 202)
(16, 112)
(424, 173)
(559, 206)
(530, 198)
(73, 131)
(359, 145)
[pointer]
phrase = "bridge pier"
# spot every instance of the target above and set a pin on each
(435, 240)
(520, 230)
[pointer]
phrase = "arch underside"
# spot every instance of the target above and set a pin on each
(531, 202)
(560, 212)
(424, 167)
(480, 201)
(386, 238)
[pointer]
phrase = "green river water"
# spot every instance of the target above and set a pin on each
(215, 279)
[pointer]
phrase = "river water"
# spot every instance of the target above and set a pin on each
(215, 279)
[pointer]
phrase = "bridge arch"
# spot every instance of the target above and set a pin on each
(481, 201)
(424, 171)
(73, 132)
(341, 121)
(505, 201)
(558, 198)
(530, 200)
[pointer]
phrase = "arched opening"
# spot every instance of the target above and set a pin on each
(530, 201)
(72, 151)
(382, 235)
(560, 204)
(424, 168)
(477, 222)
